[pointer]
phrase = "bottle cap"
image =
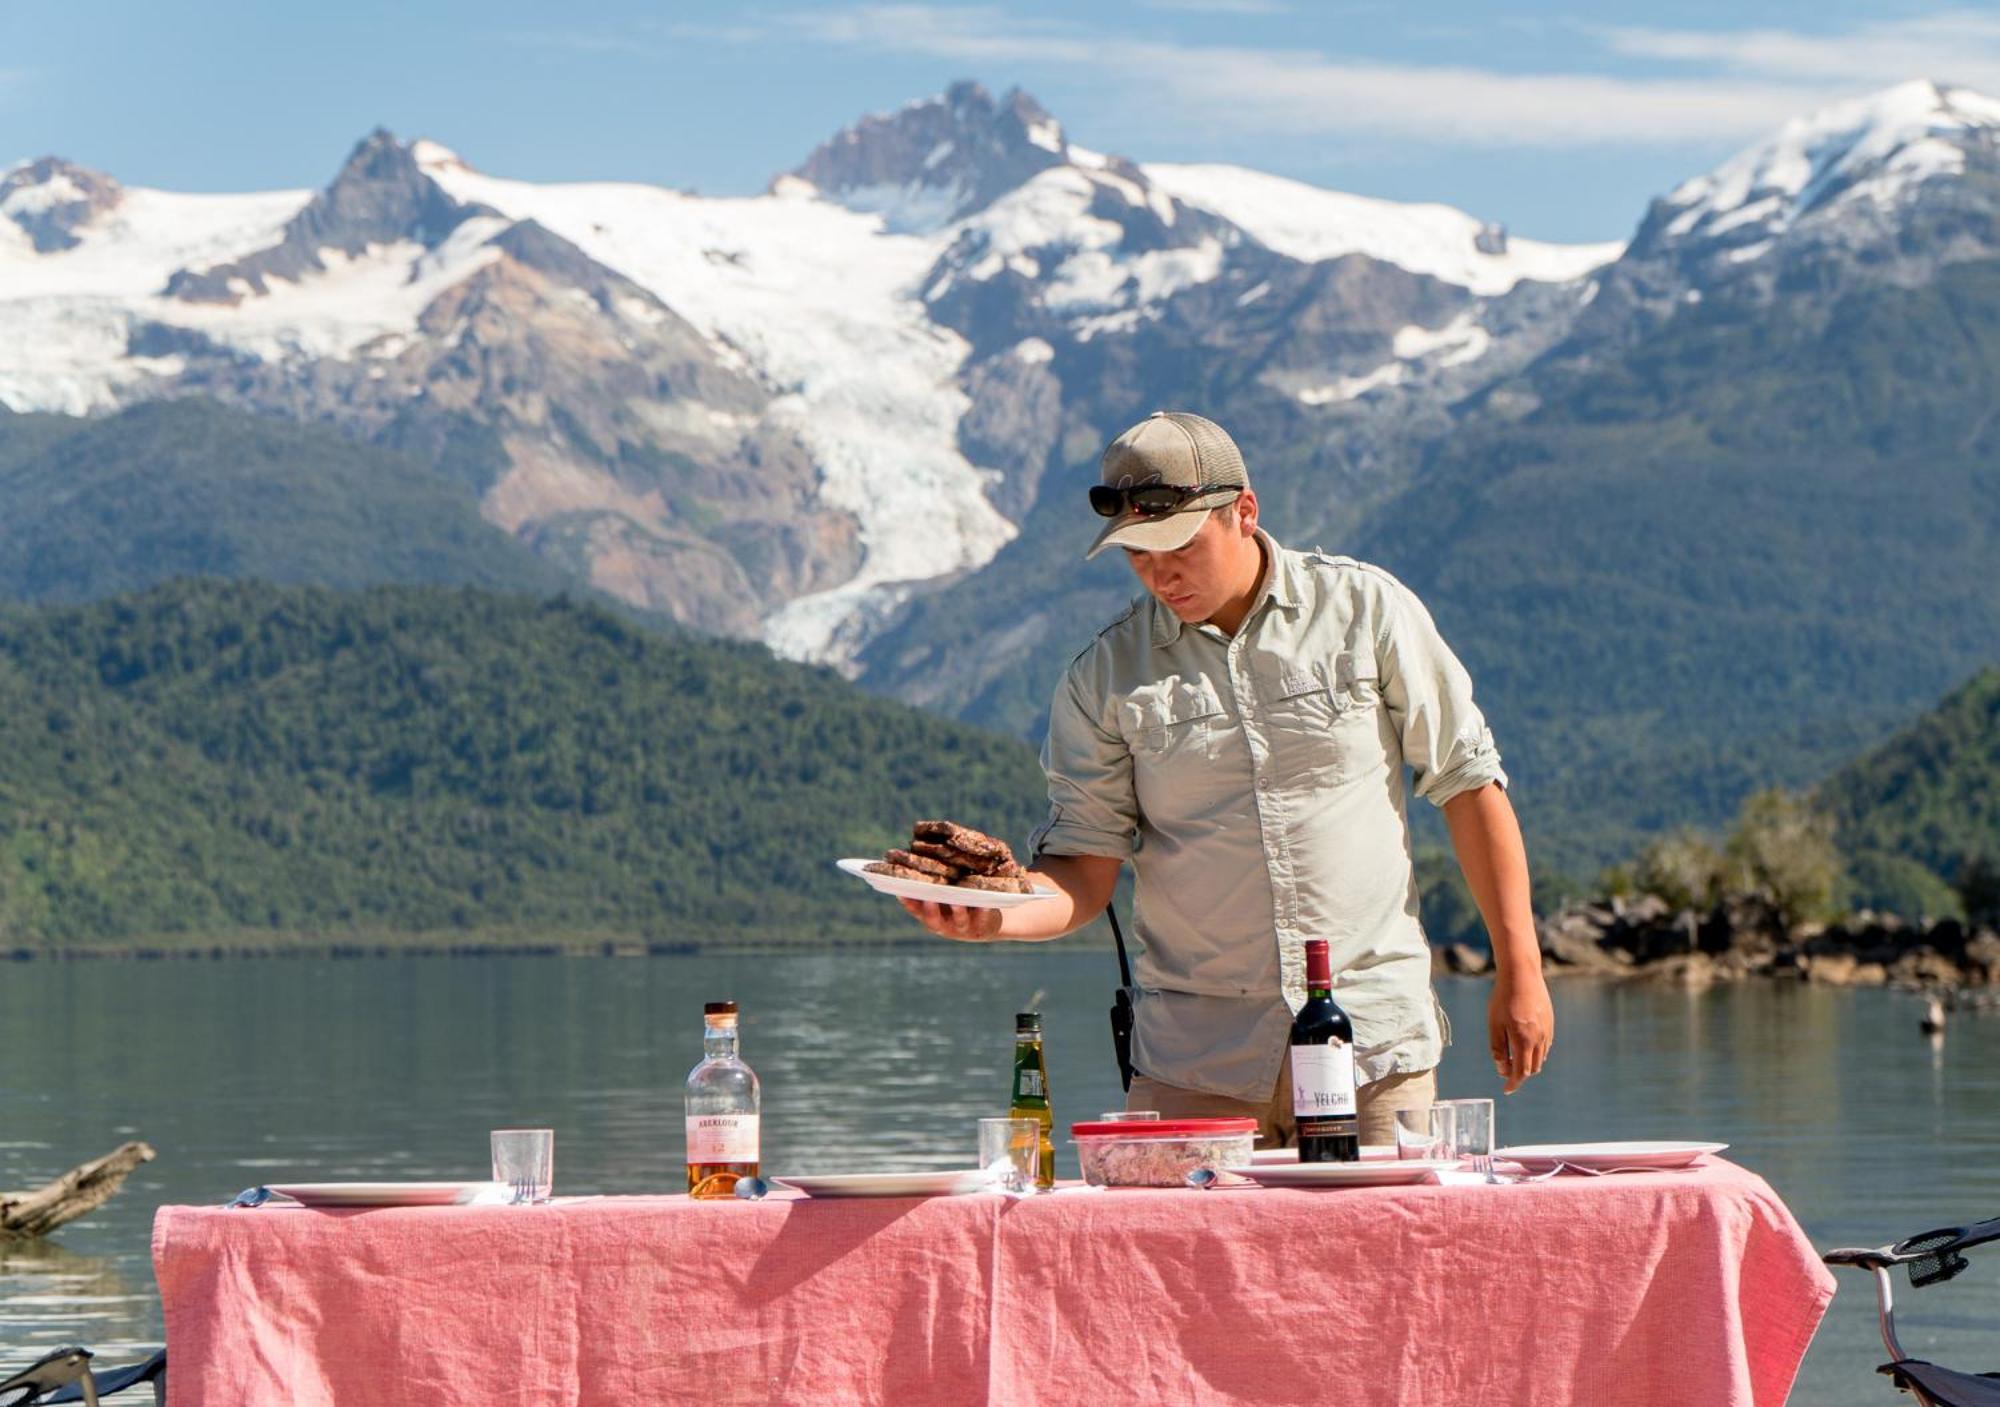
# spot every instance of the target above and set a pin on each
(719, 1009)
(1319, 967)
(1027, 1021)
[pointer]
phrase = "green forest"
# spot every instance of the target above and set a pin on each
(1768, 543)
(1918, 819)
(171, 489)
(212, 760)
(244, 764)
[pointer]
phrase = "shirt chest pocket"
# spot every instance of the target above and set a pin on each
(1326, 721)
(1179, 735)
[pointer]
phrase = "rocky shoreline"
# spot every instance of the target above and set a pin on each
(1644, 939)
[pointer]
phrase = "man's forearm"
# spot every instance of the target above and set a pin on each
(1487, 839)
(1084, 885)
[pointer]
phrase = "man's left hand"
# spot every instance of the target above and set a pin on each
(1520, 1027)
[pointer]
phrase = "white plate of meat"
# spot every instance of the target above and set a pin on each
(936, 890)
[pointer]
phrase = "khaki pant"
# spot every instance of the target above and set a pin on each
(1377, 1101)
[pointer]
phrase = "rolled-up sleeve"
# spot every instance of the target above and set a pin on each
(1092, 810)
(1446, 742)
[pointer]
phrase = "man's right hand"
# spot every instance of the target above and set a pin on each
(968, 925)
(1082, 884)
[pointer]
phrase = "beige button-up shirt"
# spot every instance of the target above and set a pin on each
(1255, 782)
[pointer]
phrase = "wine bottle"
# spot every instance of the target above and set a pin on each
(1031, 1092)
(721, 1101)
(1323, 1102)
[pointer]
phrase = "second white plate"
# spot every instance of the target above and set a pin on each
(899, 1184)
(1370, 1152)
(381, 1194)
(1537, 1157)
(1370, 1173)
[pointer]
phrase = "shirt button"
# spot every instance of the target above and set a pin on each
(1264, 783)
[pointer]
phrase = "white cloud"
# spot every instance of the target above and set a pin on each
(1959, 47)
(1220, 7)
(578, 41)
(648, 38)
(976, 33)
(1303, 93)
(719, 33)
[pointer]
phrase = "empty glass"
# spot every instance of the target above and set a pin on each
(1426, 1132)
(525, 1159)
(1010, 1152)
(1472, 1133)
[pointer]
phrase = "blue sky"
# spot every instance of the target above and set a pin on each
(1561, 120)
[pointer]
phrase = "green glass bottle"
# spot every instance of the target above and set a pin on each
(1031, 1091)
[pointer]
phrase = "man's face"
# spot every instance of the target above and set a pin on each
(1198, 580)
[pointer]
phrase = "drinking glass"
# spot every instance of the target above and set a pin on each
(1428, 1131)
(1010, 1152)
(525, 1159)
(1472, 1132)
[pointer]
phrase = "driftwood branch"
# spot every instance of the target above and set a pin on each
(76, 1193)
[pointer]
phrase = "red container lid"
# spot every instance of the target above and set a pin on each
(1164, 1128)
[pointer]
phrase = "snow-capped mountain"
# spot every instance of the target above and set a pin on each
(784, 415)
(935, 161)
(1310, 224)
(1886, 188)
(1857, 162)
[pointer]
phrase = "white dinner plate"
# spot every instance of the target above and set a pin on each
(897, 1184)
(1538, 1157)
(382, 1194)
(1370, 1152)
(1373, 1172)
(940, 893)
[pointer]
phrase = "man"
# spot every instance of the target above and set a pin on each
(1239, 734)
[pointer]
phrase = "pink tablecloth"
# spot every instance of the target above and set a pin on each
(1692, 1287)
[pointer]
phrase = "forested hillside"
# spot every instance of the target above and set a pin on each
(90, 508)
(214, 759)
(1766, 544)
(1918, 814)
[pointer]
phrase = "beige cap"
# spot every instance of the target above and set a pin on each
(1168, 447)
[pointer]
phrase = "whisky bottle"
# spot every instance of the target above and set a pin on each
(721, 1102)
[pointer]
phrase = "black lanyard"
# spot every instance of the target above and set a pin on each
(1121, 1003)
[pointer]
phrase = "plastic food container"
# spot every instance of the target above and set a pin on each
(1160, 1153)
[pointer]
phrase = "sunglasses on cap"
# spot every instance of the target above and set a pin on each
(1150, 500)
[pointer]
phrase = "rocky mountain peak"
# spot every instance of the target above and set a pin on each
(1881, 149)
(381, 196)
(938, 160)
(1887, 188)
(51, 199)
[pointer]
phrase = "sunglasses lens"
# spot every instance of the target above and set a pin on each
(1155, 500)
(1106, 501)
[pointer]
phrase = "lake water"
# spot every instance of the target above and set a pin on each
(241, 1072)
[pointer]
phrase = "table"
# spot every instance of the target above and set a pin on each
(1686, 1287)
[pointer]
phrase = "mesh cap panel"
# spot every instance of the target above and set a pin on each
(1221, 462)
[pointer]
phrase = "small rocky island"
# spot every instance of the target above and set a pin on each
(1645, 939)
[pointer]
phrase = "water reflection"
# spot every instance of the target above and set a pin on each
(51, 1295)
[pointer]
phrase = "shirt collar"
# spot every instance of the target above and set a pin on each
(1279, 587)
